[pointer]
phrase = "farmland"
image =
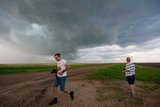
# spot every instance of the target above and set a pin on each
(104, 85)
(33, 68)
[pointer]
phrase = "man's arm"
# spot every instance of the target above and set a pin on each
(67, 67)
(128, 68)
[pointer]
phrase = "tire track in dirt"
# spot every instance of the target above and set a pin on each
(30, 89)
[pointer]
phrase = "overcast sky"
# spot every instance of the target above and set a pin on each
(81, 30)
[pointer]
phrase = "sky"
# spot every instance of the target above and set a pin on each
(83, 31)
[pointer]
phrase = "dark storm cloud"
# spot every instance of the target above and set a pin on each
(46, 26)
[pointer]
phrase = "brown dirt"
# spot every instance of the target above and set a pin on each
(35, 90)
(149, 92)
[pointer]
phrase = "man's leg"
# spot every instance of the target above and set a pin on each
(132, 88)
(66, 91)
(62, 87)
(71, 93)
(55, 92)
(132, 85)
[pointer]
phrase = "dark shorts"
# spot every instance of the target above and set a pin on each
(131, 79)
(60, 81)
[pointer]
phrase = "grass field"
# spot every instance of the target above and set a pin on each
(111, 88)
(31, 68)
(143, 73)
(147, 83)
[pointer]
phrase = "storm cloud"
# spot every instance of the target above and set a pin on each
(44, 27)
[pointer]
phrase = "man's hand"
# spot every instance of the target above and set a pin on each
(123, 70)
(54, 71)
(60, 73)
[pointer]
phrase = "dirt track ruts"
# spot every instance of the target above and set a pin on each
(25, 90)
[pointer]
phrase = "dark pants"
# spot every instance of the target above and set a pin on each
(131, 79)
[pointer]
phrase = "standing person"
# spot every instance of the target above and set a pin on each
(60, 80)
(130, 75)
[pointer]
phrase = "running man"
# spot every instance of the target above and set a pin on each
(130, 75)
(61, 77)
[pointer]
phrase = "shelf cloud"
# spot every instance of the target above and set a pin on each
(39, 28)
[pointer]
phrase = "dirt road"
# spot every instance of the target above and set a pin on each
(36, 89)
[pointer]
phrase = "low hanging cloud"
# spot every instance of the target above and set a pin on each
(115, 53)
(12, 55)
(44, 27)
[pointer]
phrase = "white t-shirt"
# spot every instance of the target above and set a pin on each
(61, 65)
(130, 67)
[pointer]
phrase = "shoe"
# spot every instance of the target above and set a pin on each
(72, 95)
(54, 101)
(132, 94)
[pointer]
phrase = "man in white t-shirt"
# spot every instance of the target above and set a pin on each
(60, 79)
(130, 75)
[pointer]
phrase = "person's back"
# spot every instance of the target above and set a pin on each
(130, 67)
(130, 75)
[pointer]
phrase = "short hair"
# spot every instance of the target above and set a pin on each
(128, 58)
(58, 54)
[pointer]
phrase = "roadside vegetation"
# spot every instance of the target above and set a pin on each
(114, 89)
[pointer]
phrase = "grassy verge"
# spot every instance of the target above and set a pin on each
(143, 73)
(31, 68)
(28, 68)
(149, 76)
(108, 93)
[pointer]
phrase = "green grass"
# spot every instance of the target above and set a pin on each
(114, 93)
(149, 87)
(31, 68)
(83, 65)
(150, 77)
(143, 73)
(16, 69)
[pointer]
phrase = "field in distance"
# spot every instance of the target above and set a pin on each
(6, 69)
